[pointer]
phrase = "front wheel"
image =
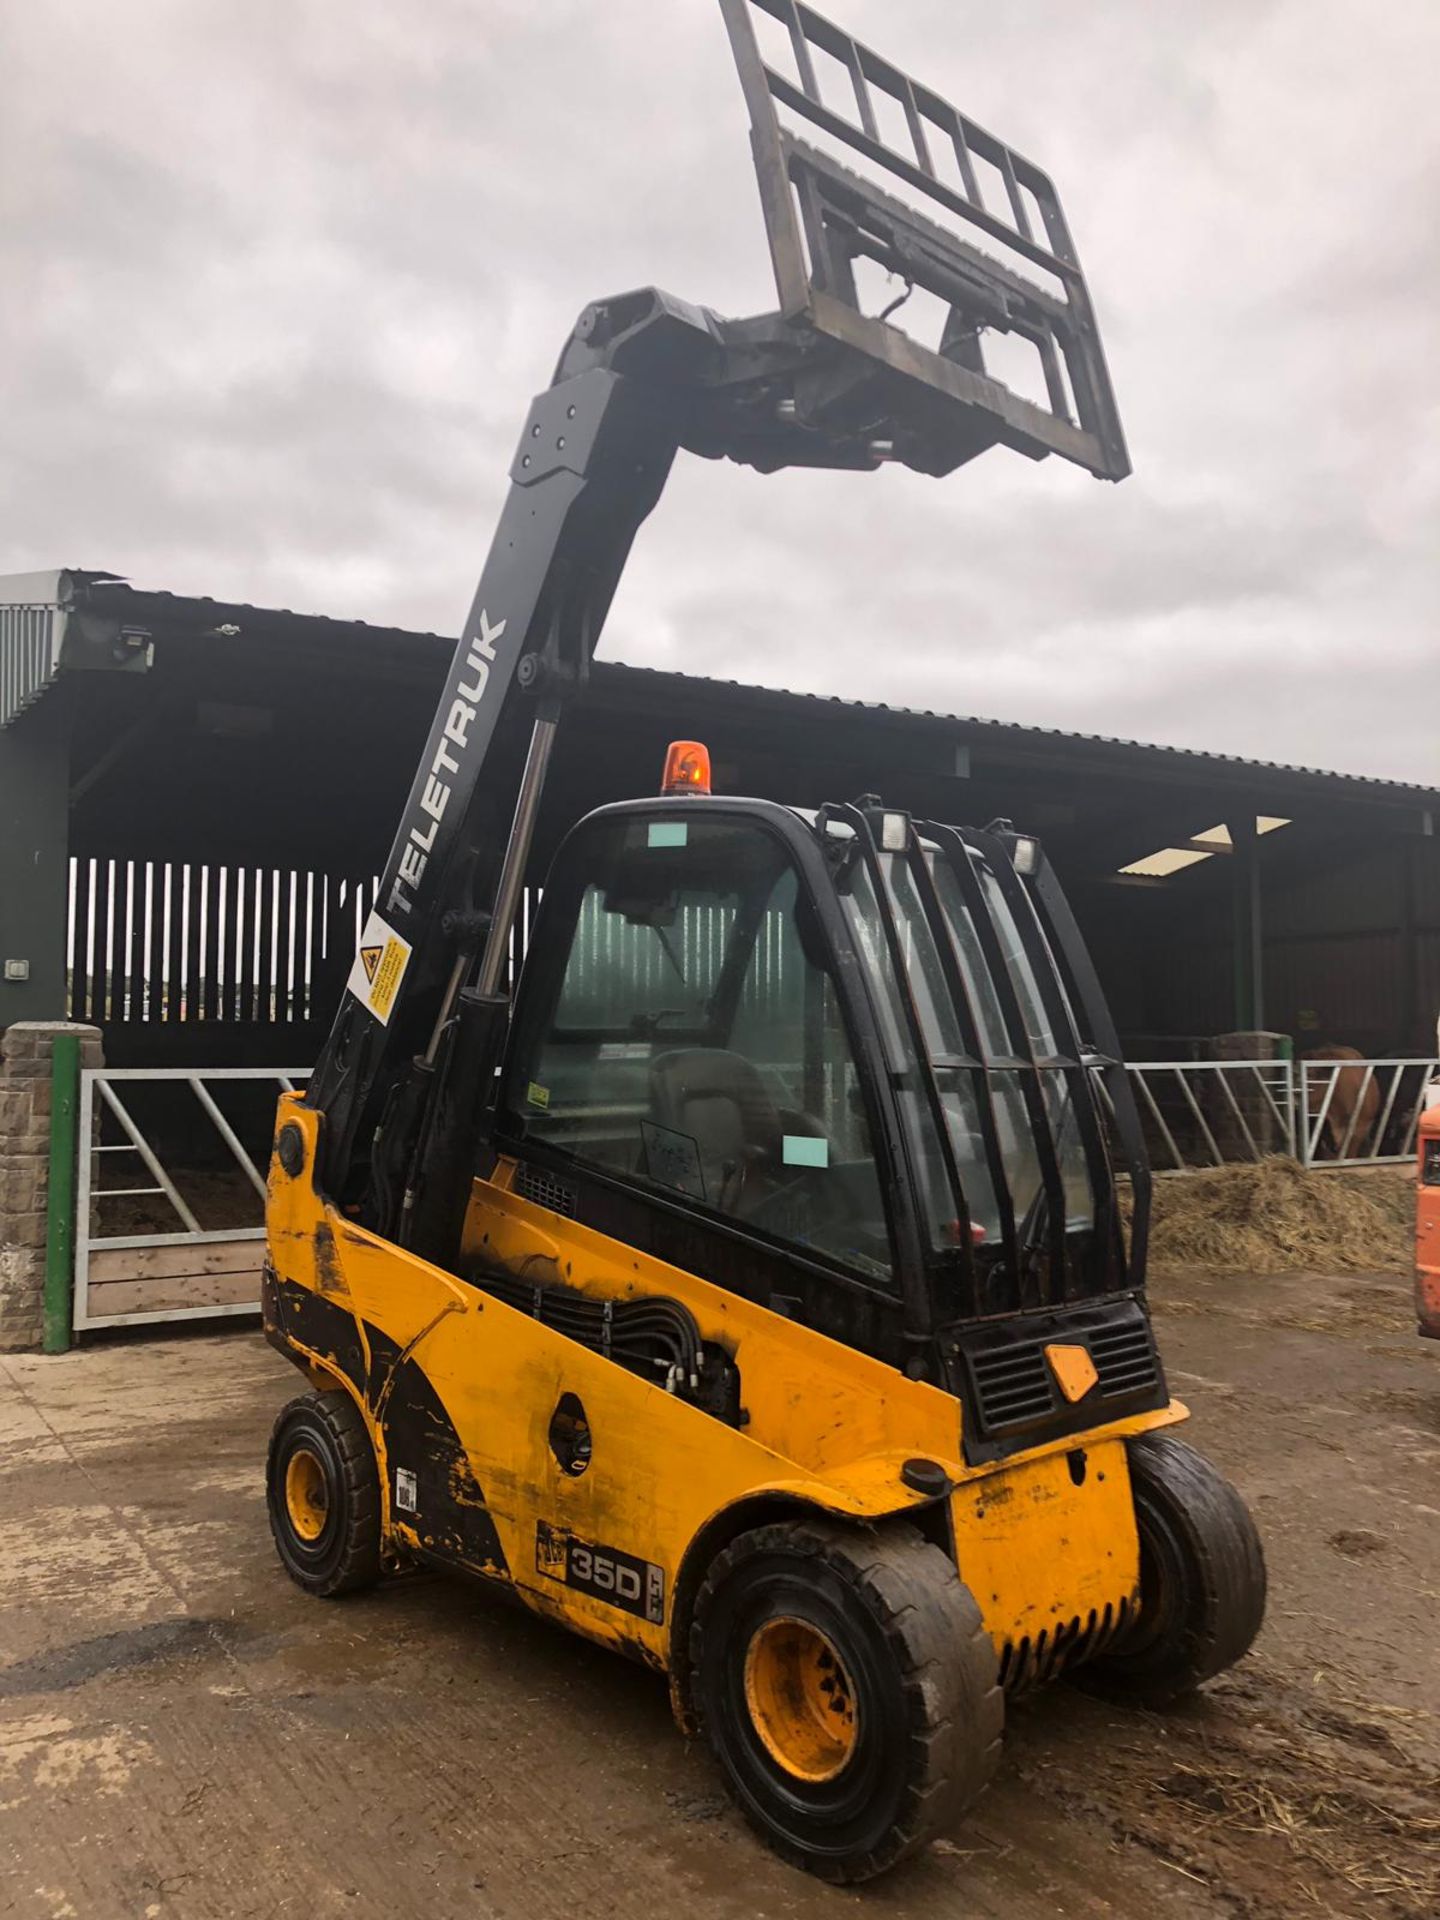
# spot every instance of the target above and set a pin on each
(848, 1688)
(322, 1488)
(1202, 1579)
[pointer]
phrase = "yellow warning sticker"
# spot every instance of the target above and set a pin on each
(379, 968)
(537, 1095)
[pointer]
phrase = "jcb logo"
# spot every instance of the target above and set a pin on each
(610, 1575)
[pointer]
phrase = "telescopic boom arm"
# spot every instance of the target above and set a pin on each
(408, 1070)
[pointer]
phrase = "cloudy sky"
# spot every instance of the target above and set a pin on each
(281, 275)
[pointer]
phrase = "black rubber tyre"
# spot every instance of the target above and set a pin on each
(322, 1489)
(913, 1667)
(1202, 1579)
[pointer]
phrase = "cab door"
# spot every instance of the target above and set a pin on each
(689, 1071)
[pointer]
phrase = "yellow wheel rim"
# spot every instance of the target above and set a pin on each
(307, 1498)
(800, 1698)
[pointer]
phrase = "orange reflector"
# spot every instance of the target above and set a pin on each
(687, 768)
(1073, 1369)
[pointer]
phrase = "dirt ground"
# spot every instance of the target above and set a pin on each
(185, 1736)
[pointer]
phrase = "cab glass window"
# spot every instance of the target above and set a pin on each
(695, 1042)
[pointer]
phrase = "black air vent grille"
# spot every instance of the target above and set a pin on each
(1014, 1386)
(1124, 1358)
(544, 1190)
(1015, 1391)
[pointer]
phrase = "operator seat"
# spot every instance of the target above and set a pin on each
(720, 1101)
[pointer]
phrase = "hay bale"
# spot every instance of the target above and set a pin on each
(1271, 1216)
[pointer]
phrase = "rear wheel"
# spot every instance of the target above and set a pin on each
(1202, 1579)
(323, 1493)
(848, 1688)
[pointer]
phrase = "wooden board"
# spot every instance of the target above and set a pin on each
(212, 1273)
(160, 1263)
(175, 1293)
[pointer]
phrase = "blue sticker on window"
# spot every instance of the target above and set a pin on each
(668, 833)
(804, 1150)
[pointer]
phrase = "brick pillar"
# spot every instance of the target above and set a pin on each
(1259, 1117)
(25, 1049)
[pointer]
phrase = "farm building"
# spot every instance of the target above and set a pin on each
(195, 799)
(194, 796)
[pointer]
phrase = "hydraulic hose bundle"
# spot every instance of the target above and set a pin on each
(656, 1337)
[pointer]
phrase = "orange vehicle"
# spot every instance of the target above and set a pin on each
(1427, 1225)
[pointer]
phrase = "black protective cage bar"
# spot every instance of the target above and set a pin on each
(1038, 1265)
(821, 217)
(1102, 1056)
(1051, 1284)
(978, 1069)
(963, 1261)
(996, 846)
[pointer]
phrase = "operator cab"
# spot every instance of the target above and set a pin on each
(830, 1060)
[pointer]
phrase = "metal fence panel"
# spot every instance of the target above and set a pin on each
(1210, 1113)
(1324, 1113)
(156, 1272)
(1360, 1113)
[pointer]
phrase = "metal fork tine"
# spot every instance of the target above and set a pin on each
(965, 163)
(800, 46)
(862, 92)
(1012, 189)
(917, 131)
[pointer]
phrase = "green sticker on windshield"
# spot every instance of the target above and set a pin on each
(804, 1150)
(538, 1096)
(668, 833)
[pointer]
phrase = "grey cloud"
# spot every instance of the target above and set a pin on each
(283, 279)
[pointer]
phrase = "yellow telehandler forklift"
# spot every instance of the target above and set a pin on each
(747, 1290)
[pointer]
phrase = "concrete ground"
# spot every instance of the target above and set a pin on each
(185, 1736)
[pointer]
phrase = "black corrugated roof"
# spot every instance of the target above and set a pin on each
(102, 588)
(1018, 730)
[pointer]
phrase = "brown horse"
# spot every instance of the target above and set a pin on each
(1355, 1098)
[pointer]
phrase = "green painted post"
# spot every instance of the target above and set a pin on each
(58, 1335)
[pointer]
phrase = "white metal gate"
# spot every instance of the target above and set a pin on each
(195, 1251)
(1209, 1113)
(1360, 1113)
(1323, 1113)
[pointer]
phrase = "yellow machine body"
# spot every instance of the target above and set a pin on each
(1045, 1539)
